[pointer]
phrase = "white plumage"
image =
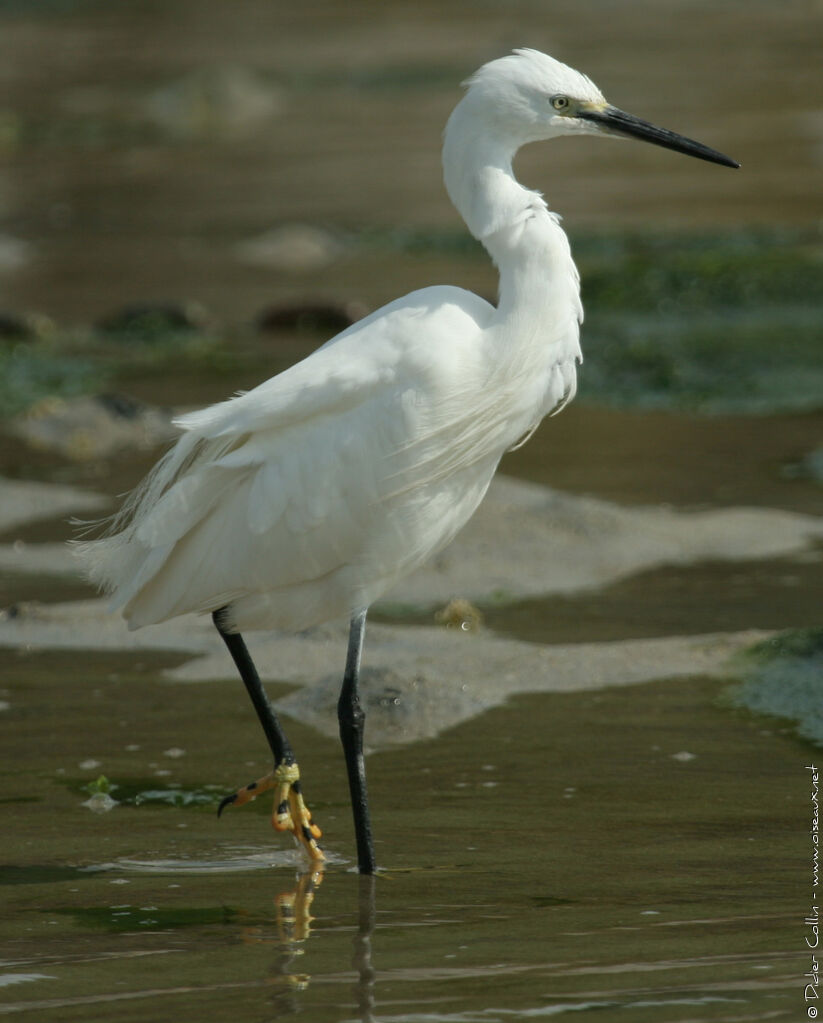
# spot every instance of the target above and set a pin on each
(308, 497)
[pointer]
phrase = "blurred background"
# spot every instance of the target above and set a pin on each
(175, 174)
(193, 196)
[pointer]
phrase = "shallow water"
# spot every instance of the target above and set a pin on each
(638, 854)
(641, 850)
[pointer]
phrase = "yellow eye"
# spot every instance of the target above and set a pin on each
(560, 103)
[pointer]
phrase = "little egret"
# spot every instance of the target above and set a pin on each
(306, 498)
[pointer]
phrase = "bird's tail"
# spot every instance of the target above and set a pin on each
(118, 560)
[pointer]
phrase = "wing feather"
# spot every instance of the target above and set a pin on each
(313, 489)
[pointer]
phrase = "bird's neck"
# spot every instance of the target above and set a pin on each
(477, 169)
(523, 238)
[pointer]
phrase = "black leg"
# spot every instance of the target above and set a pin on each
(278, 742)
(351, 717)
(290, 811)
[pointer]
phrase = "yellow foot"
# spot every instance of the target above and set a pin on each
(290, 812)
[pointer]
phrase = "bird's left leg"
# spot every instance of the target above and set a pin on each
(351, 718)
(290, 812)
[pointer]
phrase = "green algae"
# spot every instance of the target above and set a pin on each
(712, 323)
(31, 371)
(124, 918)
(142, 791)
(783, 678)
(728, 323)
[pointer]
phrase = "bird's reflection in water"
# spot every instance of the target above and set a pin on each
(294, 920)
(361, 960)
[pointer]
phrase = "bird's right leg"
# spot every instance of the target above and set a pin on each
(290, 812)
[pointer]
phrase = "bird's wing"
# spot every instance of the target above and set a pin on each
(380, 351)
(284, 484)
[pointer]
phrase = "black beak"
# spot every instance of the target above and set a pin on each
(617, 122)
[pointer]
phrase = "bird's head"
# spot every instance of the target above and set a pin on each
(528, 96)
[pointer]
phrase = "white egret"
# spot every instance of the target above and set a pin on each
(306, 498)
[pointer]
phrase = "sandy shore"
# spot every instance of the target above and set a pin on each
(525, 541)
